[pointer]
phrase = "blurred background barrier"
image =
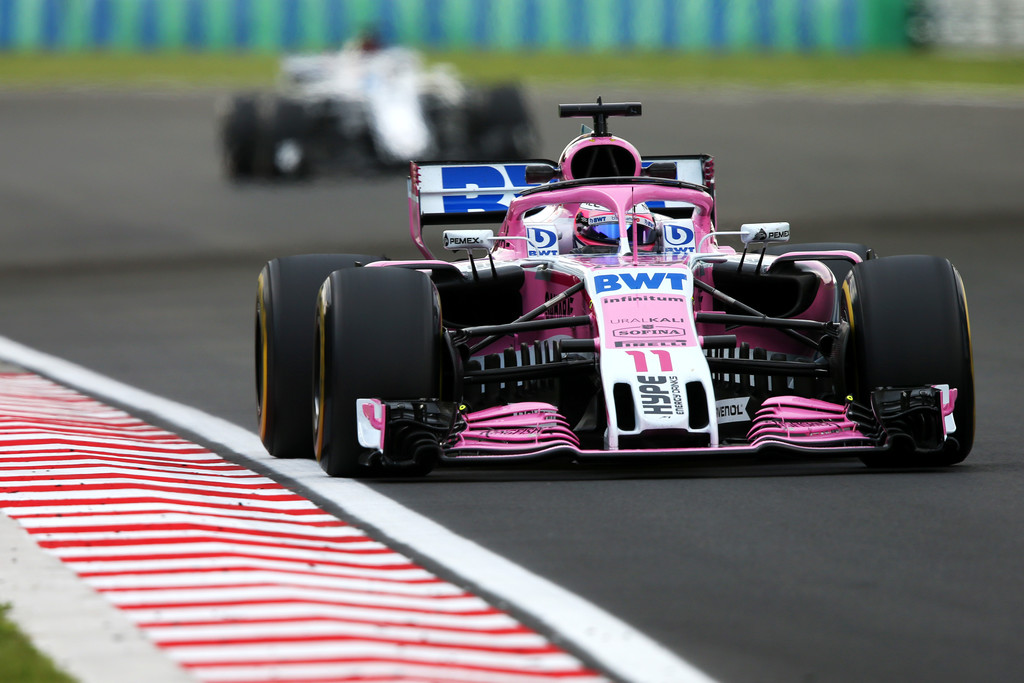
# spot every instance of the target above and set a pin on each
(542, 25)
(269, 26)
(967, 24)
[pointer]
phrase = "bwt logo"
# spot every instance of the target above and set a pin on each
(613, 282)
(542, 242)
(678, 239)
(488, 188)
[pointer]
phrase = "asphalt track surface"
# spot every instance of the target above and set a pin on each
(122, 249)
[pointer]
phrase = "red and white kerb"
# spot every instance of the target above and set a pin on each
(235, 577)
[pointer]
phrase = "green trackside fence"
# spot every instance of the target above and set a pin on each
(270, 26)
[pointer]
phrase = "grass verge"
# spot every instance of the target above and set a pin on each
(783, 70)
(894, 70)
(20, 662)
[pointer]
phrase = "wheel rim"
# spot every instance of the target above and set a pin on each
(262, 360)
(320, 382)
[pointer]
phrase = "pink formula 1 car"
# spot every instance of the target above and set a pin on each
(607, 318)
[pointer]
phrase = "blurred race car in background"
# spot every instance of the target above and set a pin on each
(606, 319)
(361, 107)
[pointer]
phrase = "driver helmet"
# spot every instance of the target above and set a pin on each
(597, 226)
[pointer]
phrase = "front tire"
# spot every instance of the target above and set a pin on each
(910, 327)
(378, 335)
(283, 150)
(285, 309)
(239, 134)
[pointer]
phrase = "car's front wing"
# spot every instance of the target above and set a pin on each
(920, 418)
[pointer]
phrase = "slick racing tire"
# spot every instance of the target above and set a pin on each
(378, 335)
(909, 328)
(283, 149)
(285, 309)
(240, 130)
(504, 127)
(839, 267)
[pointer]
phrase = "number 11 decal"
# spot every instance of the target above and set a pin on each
(640, 359)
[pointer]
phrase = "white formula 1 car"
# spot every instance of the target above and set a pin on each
(356, 108)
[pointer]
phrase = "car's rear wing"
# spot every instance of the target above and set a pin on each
(465, 192)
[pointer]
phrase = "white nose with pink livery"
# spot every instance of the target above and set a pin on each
(596, 310)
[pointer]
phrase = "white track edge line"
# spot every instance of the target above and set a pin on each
(621, 649)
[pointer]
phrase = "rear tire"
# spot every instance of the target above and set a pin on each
(285, 310)
(910, 327)
(503, 128)
(378, 336)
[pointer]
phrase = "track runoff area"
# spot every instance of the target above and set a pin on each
(142, 555)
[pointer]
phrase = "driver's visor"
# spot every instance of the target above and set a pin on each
(605, 227)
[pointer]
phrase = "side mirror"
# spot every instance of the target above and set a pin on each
(764, 233)
(464, 240)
